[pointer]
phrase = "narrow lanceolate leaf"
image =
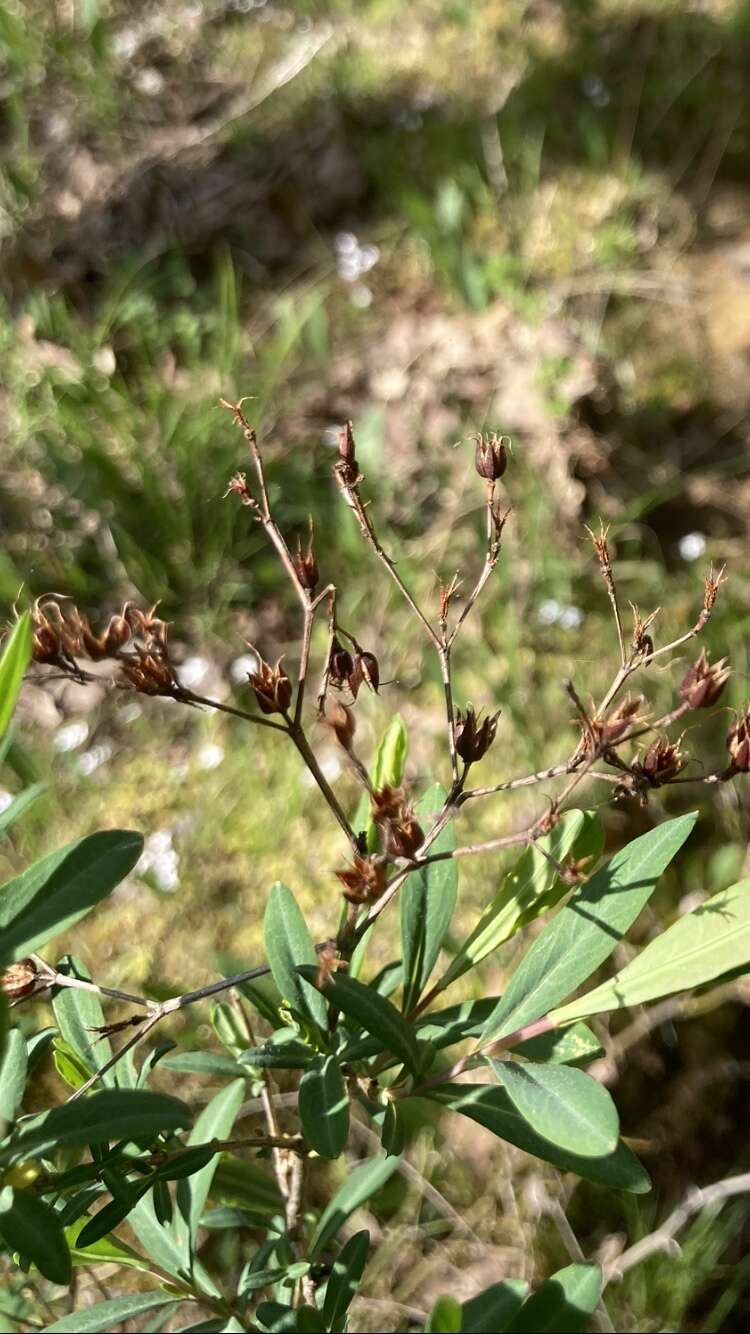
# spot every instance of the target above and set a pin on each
(564, 1105)
(79, 1014)
(32, 1228)
(428, 898)
(324, 1107)
(60, 889)
(587, 929)
(289, 944)
(13, 1068)
(109, 1314)
(492, 1108)
(494, 1308)
(19, 805)
(562, 1305)
(358, 1187)
(215, 1122)
(530, 888)
(13, 663)
(113, 1114)
(711, 940)
(388, 768)
(344, 1280)
(373, 1013)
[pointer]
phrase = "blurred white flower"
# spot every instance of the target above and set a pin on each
(353, 259)
(71, 735)
(210, 756)
(241, 668)
(361, 296)
(6, 799)
(692, 546)
(193, 671)
(330, 766)
(160, 860)
(91, 759)
(552, 612)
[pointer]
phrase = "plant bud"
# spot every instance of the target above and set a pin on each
(306, 566)
(473, 739)
(364, 881)
(20, 980)
(491, 456)
(662, 762)
(273, 689)
(347, 465)
(364, 668)
(703, 683)
(738, 744)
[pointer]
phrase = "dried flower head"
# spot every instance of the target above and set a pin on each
(346, 466)
(328, 960)
(619, 720)
(340, 663)
(363, 881)
(662, 762)
(491, 456)
(738, 743)
(473, 739)
(273, 689)
(703, 683)
(149, 674)
(20, 980)
(237, 486)
(364, 668)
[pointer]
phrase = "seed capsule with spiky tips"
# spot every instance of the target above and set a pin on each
(305, 564)
(491, 456)
(473, 739)
(20, 980)
(273, 689)
(363, 881)
(738, 744)
(364, 668)
(703, 683)
(46, 644)
(116, 635)
(618, 722)
(662, 762)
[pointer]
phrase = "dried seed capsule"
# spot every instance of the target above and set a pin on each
(703, 683)
(738, 744)
(363, 881)
(116, 635)
(19, 980)
(340, 664)
(306, 566)
(273, 689)
(662, 762)
(364, 668)
(491, 456)
(473, 739)
(619, 720)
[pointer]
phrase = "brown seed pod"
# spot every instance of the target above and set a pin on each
(703, 683)
(491, 456)
(738, 744)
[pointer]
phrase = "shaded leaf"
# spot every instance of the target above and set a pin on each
(13, 1069)
(32, 1228)
(324, 1107)
(373, 1013)
(358, 1187)
(586, 930)
(215, 1122)
(344, 1279)
(563, 1304)
(113, 1114)
(105, 1315)
(56, 892)
(490, 1311)
(427, 898)
(289, 944)
(492, 1108)
(711, 940)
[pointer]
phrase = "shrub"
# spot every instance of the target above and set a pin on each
(122, 1173)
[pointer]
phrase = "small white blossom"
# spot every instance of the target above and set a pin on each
(210, 756)
(71, 736)
(692, 546)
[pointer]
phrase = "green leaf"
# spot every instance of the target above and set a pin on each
(14, 660)
(390, 761)
(288, 944)
(358, 1187)
(113, 1114)
(492, 1108)
(530, 888)
(586, 930)
(491, 1311)
(105, 1315)
(446, 1317)
(348, 1268)
(228, 1216)
(106, 1251)
(215, 1122)
(428, 898)
(254, 1279)
(32, 1228)
(566, 1046)
(324, 1107)
(56, 892)
(203, 1063)
(107, 1219)
(373, 1013)
(563, 1304)
(13, 1069)
(78, 1014)
(19, 805)
(563, 1105)
(711, 940)
(68, 1064)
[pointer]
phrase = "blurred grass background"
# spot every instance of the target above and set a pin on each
(432, 218)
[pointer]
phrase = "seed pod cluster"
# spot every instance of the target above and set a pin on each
(363, 881)
(273, 689)
(703, 683)
(491, 456)
(661, 763)
(400, 832)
